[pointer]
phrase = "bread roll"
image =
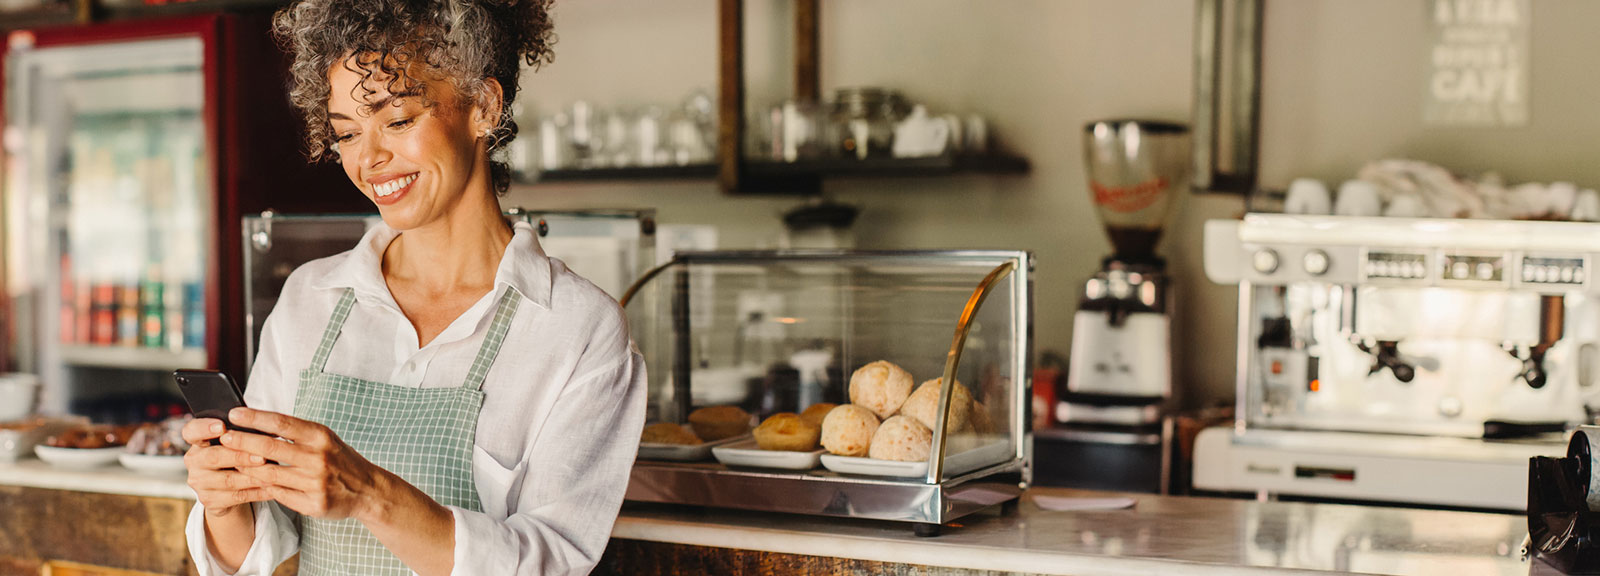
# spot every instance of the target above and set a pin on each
(668, 433)
(982, 420)
(789, 432)
(714, 423)
(880, 387)
(923, 406)
(847, 430)
(901, 439)
(816, 412)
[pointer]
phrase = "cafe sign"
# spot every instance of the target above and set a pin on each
(1477, 63)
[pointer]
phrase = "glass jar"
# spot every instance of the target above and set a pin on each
(861, 121)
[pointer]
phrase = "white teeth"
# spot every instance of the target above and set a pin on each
(393, 186)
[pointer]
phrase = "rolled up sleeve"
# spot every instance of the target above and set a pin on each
(574, 484)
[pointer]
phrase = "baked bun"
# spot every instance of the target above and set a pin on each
(816, 412)
(901, 439)
(847, 430)
(923, 406)
(668, 433)
(787, 431)
(880, 387)
(714, 423)
(982, 420)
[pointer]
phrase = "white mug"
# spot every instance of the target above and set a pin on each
(1307, 196)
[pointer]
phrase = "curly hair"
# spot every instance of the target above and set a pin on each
(465, 42)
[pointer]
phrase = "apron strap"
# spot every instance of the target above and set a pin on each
(331, 333)
(492, 341)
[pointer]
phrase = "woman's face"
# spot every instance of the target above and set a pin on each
(414, 161)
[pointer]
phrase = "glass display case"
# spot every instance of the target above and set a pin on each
(753, 342)
(610, 248)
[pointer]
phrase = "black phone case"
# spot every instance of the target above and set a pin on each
(211, 394)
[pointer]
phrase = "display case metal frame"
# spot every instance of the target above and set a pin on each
(928, 502)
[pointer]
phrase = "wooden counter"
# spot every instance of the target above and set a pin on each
(111, 518)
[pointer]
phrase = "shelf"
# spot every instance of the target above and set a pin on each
(133, 358)
(688, 172)
(891, 167)
(819, 168)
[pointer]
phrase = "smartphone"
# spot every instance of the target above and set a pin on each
(211, 394)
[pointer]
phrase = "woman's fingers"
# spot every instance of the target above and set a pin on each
(200, 431)
(292, 478)
(224, 481)
(212, 458)
(281, 425)
(264, 447)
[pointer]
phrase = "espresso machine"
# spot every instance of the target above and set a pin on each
(1119, 374)
(1417, 361)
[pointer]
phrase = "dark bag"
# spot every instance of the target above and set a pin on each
(1561, 528)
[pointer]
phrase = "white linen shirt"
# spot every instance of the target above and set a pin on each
(559, 429)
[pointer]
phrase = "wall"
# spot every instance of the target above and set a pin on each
(1336, 95)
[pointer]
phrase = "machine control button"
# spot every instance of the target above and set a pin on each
(1316, 262)
(1459, 270)
(1485, 271)
(1265, 261)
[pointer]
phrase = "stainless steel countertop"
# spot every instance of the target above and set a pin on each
(1159, 535)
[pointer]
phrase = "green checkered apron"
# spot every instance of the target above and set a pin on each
(423, 435)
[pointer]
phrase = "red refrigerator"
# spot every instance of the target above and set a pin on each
(131, 151)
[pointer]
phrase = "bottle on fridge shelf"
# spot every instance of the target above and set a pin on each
(152, 305)
(128, 314)
(82, 311)
(104, 307)
(172, 312)
(194, 318)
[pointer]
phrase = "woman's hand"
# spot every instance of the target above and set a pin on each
(318, 474)
(214, 471)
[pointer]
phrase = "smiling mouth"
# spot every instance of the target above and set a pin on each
(393, 186)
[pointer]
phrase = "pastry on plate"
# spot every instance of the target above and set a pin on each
(789, 432)
(668, 433)
(901, 439)
(816, 412)
(923, 406)
(847, 430)
(880, 387)
(714, 423)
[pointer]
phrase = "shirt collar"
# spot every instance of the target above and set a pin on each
(524, 267)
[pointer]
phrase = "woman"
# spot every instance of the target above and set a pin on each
(454, 402)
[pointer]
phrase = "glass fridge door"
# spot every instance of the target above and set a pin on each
(109, 168)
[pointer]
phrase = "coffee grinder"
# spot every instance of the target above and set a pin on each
(1112, 424)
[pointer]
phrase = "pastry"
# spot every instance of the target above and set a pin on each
(880, 387)
(923, 406)
(847, 430)
(816, 412)
(714, 423)
(668, 433)
(787, 431)
(982, 421)
(901, 439)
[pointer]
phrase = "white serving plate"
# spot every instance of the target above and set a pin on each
(748, 453)
(684, 452)
(147, 464)
(954, 464)
(79, 458)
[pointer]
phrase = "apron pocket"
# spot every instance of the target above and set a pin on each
(495, 483)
